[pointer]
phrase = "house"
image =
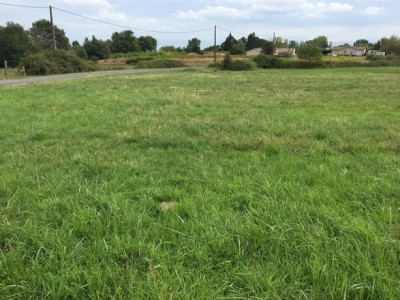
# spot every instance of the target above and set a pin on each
(285, 52)
(349, 51)
(254, 52)
(376, 52)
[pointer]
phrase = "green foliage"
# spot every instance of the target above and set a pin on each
(135, 60)
(361, 42)
(229, 42)
(321, 41)
(148, 43)
(193, 46)
(14, 43)
(268, 62)
(391, 45)
(268, 48)
(236, 65)
(54, 62)
(237, 49)
(42, 36)
(97, 49)
(168, 49)
(254, 41)
(279, 42)
(309, 51)
(161, 63)
(124, 42)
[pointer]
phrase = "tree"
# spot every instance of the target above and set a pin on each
(321, 41)
(293, 44)
(148, 43)
(237, 49)
(268, 48)
(361, 42)
(280, 42)
(228, 43)
(193, 46)
(391, 45)
(254, 41)
(42, 36)
(168, 49)
(14, 43)
(96, 49)
(309, 51)
(124, 42)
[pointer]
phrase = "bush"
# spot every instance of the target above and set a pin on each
(236, 65)
(135, 60)
(160, 64)
(55, 62)
(268, 62)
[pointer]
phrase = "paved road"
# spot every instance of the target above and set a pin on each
(82, 75)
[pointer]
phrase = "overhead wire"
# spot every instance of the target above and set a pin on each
(27, 6)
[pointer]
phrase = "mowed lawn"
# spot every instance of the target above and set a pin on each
(268, 184)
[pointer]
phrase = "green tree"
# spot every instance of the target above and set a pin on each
(14, 43)
(391, 45)
(96, 49)
(309, 51)
(321, 41)
(42, 36)
(148, 43)
(254, 41)
(268, 48)
(193, 46)
(361, 42)
(293, 44)
(124, 42)
(281, 43)
(168, 49)
(237, 49)
(228, 43)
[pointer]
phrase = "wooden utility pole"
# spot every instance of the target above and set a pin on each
(215, 44)
(5, 68)
(52, 28)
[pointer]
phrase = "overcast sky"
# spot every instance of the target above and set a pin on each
(341, 21)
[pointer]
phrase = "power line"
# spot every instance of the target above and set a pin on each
(28, 6)
(128, 27)
(108, 23)
(241, 33)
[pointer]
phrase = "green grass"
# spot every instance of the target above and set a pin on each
(285, 184)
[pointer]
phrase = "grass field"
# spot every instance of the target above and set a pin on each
(269, 184)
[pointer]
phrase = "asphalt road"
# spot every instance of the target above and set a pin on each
(82, 75)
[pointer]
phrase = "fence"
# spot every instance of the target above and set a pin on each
(17, 72)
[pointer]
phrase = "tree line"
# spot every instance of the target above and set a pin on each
(16, 43)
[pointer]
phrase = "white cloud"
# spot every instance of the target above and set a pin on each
(374, 10)
(261, 8)
(91, 3)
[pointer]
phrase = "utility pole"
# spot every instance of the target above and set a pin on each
(52, 28)
(215, 44)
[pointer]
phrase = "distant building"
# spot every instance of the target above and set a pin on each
(254, 52)
(376, 52)
(285, 52)
(349, 51)
(277, 51)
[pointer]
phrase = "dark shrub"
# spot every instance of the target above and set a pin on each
(160, 64)
(241, 65)
(55, 62)
(135, 60)
(268, 62)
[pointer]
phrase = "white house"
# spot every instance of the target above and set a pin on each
(254, 52)
(285, 51)
(349, 51)
(376, 52)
